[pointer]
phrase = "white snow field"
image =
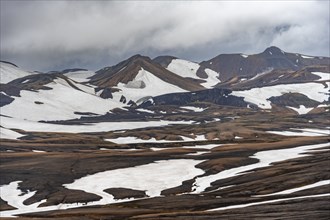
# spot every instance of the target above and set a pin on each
(154, 86)
(6, 133)
(208, 147)
(189, 69)
(59, 103)
(266, 158)
(152, 178)
(267, 202)
(134, 140)
(195, 109)
(324, 76)
(12, 123)
(155, 177)
(259, 96)
(80, 76)
(289, 191)
(9, 72)
(301, 110)
(306, 132)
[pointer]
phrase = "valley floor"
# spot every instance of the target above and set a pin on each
(217, 163)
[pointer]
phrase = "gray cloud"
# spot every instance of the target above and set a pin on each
(48, 35)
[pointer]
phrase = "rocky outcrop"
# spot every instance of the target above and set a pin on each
(216, 96)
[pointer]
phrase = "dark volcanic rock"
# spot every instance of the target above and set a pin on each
(216, 96)
(2, 61)
(124, 193)
(5, 100)
(231, 65)
(164, 61)
(72, 70)
(106, 94)
(4, 206)
(123, 99)
(293, 100)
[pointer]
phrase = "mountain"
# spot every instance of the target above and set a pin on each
(170, 81)
(127, 71)
(273, 58)
(10, 71)
(137, 78)
(190, 70)
(51, 96)
(168, 138)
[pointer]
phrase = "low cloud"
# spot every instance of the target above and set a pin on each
(92, 34)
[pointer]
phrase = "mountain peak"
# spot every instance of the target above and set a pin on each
(3, 61)
(273, 51)
(138, 57)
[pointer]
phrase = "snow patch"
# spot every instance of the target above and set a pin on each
(9, 72)
(134, 140)
(16, 197)
(289, 191)
(80, 76)
(152, 178)
(307, 57)
(305, 132)
(184, 68)
(260, 96)
(266, 202)
(195, 109)
(301, 110)
(93, 127)
(266, 158)
(153, 86)
(60, 103)
(145, 110)
(6, 133)
(324, 76)
(212, 79)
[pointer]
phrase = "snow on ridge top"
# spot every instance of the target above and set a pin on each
(184, 68)
(307, 57)
(80, 76)
(9, 72)
(189, 69)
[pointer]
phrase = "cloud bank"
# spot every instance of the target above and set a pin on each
(48, 35)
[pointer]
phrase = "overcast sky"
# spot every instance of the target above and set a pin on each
(54, 35)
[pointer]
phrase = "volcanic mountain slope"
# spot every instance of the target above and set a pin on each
(189, 147)
(275, 77)
(127, 70)
(230, 65)
(189, 70)
(51, 96)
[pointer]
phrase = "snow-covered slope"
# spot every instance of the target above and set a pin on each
(145, 84)
(80, 76)
(9, 72)
(260, 96)
(189, 69)
(59, 103)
